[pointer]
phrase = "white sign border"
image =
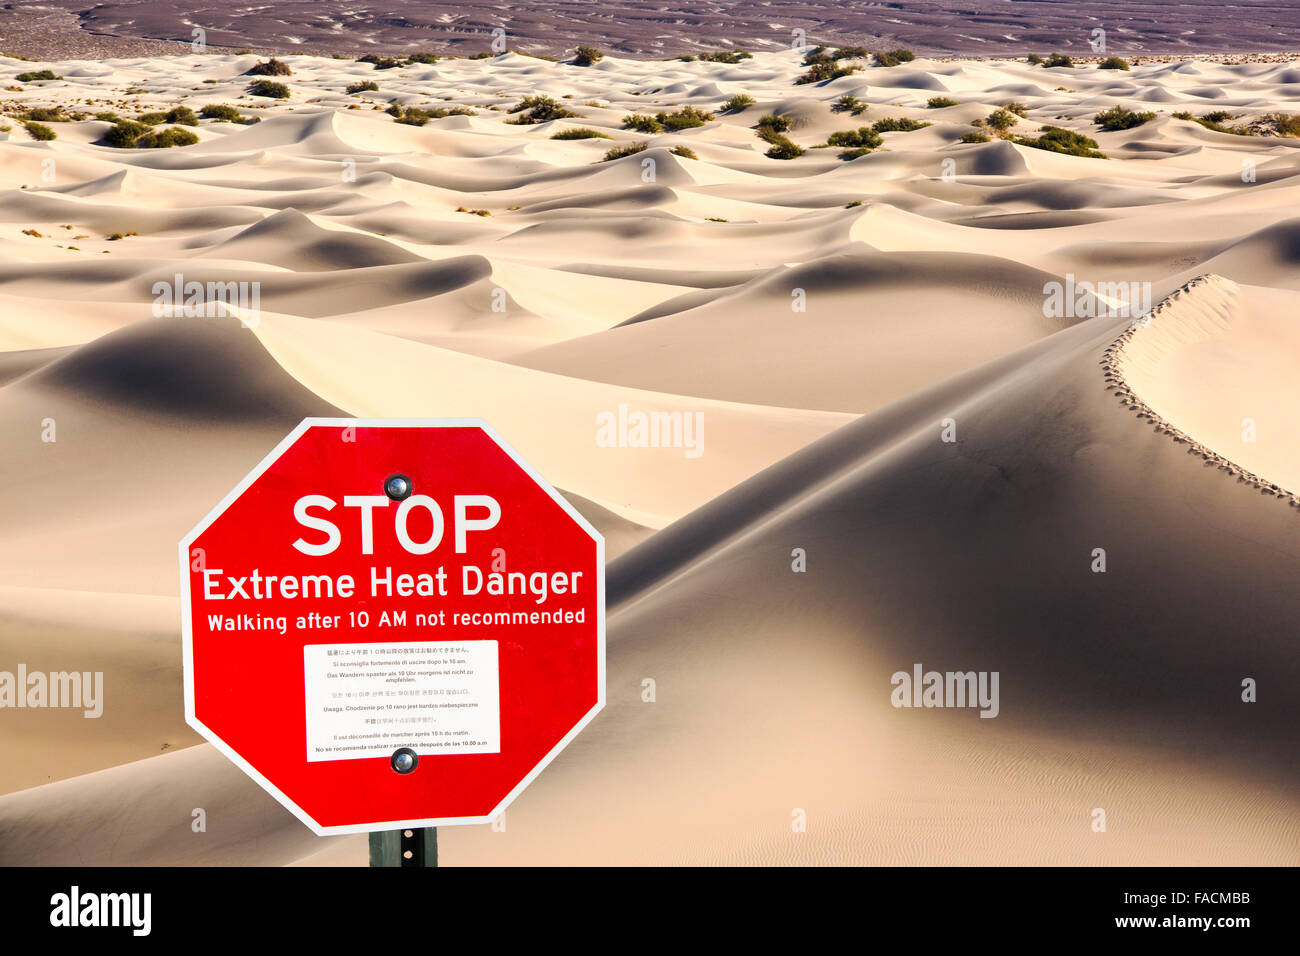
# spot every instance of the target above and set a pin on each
(187, 635)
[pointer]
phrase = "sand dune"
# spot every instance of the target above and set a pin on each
(824, 315)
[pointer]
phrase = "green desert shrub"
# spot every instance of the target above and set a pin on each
(1057, 140)
(823, 71)
(221, 113)
(1113, 63)
(737, 103)
(642, 123)
(975, 136)
(124, 133)
(163, 138)
(773, 122)
(537, 109)
(782, 148)
(1058, 59)
(269, 89)
(382, 62)
(181, 116)
(33, 75)
(688, 117)
(271, 67)
(425, 58)
(683, 151)
(588, 56)
(848, 103)
(894, 57)
(898, 124)
(1020, 109)
(1121, 117)
(580, 133)
(39, 130)
(364, 86)
(725, 56)
(1284, 124)
(152, 119)
(418, 116)
(46, 114)
(1034, 59)
(1001, 120)
(852, 154)
(108, 117)
(860, 138)
(851, 53)
(939, 102)
(627, 149)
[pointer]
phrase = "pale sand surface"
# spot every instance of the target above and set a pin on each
(821, 431)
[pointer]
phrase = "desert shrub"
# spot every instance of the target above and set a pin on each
(1218, 117)
(538, 109)
(848, 103)
(271, 67)
(182, 116)
(580, 133)
(108, 117)
(865, 137)
(269, 89)
(587, 56)
(33, 75)
(124, 133)
(627, 149)
(777, 124)
(894, 57)
(365, 86)
(782, 148)
(474, 212)
(688, 117)
(46, 114)
(1121, 117)
(852, 154)
(152, 119)
(1001, 119)
(1057, 140)
(223, 113)
(939, 102)
(1113, 63)
(737, 103)
(1034, 59)
(642, 123)
(418, 116)
(822, 72)
(725, 56)
(1285, 124)
(383, 62)
(898, 124)
(163, 138)
(39, 130)
(852, 53)
(1020, 109)
(1058, 59)
(684, 151)
(426, 58)
(974, 136)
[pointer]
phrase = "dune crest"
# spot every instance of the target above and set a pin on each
(1206, 309)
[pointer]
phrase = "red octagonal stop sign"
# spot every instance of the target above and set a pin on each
(377, 588)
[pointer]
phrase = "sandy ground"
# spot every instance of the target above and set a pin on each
(826, 330)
